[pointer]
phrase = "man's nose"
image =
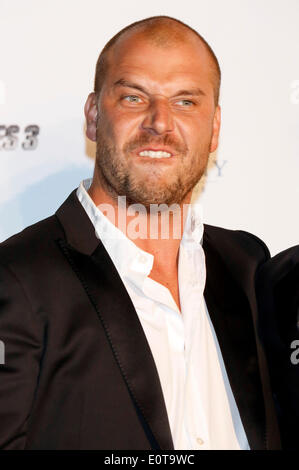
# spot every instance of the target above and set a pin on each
(158, 119)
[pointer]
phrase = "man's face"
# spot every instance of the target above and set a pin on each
(155, 99)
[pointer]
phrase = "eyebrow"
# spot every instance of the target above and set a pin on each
(126, 83)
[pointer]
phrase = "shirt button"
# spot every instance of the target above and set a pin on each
(199, 441)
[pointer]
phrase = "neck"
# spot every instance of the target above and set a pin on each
(158, 233)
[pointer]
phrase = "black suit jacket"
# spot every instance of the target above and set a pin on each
(278, 299)
(79, 373)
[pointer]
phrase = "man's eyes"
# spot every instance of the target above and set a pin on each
(137, 99)
(132, 98)
(186, 102)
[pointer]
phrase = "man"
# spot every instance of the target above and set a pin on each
(278, 298)
(115, 339)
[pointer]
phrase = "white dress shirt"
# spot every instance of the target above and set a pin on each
(201, 408)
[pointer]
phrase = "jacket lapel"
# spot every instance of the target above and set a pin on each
(118, 318)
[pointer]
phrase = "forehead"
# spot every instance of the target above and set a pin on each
(170, 61)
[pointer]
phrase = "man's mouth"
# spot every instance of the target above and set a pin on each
(154, 154)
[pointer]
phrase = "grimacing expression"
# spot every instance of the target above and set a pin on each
(154, 99)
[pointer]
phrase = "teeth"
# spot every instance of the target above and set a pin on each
(153, 154)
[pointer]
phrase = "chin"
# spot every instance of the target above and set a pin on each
(157, 197)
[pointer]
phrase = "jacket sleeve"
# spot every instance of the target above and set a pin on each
(21, 335)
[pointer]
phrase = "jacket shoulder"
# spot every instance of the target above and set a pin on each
(239, 242)
(32, 241)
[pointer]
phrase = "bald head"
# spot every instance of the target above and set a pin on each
(160, 31)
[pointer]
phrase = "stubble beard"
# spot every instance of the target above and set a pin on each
(120, 179)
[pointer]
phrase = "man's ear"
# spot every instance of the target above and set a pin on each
(216, 129)
(90, 110)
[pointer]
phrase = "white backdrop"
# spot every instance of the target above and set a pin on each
(48, 54)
